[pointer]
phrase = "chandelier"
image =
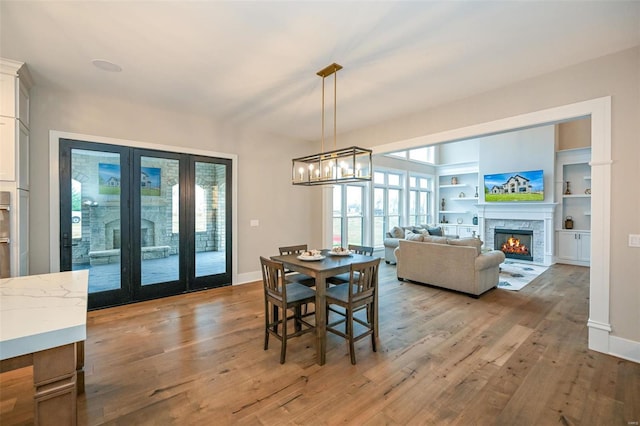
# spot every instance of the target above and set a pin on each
(343, 165)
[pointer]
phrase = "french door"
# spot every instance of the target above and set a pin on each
(145, 223)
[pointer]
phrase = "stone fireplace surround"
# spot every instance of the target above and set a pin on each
(536, 217)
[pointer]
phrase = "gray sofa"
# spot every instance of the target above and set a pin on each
(452, 264)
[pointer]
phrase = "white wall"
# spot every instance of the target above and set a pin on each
(522, 150)
(458, 152)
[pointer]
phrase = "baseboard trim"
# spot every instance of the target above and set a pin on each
(248, 277)
(624, 348)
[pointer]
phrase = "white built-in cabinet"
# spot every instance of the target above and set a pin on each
(15, 83)
(573, 245)
(458, 198)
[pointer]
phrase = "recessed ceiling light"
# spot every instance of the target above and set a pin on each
(105, 65)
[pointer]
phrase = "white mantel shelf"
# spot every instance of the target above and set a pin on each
(39, 312)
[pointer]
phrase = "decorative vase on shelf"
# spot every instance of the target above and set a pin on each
(568, 190)
(442, 204)
(461, 195)
(568, 223)
(454, 180)
(476, 194)
(475, 220)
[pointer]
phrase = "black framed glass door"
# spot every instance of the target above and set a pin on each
(145, 223)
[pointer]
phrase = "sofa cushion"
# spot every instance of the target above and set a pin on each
(470, 242)
(397, 232)
(434, 239)
(435, 230)
(412, 236)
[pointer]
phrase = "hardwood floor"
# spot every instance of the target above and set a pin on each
(443, 358)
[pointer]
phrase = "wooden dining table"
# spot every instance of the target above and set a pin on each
(322, 269)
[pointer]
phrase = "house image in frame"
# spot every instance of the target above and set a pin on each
(514, 185)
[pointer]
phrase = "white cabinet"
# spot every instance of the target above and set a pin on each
(573, 247)
(15, 82)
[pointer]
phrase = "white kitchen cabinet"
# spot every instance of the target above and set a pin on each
(573, 247)
(15, 83)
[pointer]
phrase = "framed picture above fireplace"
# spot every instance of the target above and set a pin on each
(522, 186)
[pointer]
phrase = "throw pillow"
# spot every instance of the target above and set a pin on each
(397, 232)
(435, 230)
(469, 242)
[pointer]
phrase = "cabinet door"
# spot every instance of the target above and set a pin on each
(584, 246)
(8, 98)
(22, 174)
(567, 245)
(7, 149)
(449, 230)
(22, 227)
(465, 231)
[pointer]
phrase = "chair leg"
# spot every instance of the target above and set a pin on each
(266, 325)
(275, 318)
(283, 349)
(297, 316)
(371, 313)
(352, 350)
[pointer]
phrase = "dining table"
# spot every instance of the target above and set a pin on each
(320, 268)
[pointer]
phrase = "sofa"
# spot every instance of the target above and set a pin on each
(397, 233)
(454, 264)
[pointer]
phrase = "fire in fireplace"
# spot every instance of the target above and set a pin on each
(515, 243)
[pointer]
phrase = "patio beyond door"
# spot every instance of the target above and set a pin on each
(145, 223)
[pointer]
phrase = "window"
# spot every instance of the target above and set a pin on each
(387, 203)
(419, 200)
(348, 214)
(426, 154)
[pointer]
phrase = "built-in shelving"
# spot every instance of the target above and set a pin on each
(459, 198)
(573, 170)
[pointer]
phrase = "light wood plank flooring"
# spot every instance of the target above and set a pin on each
(507, 358)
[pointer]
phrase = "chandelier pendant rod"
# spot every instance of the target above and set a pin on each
(335, 109)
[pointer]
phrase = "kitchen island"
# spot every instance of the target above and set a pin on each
(43, 320)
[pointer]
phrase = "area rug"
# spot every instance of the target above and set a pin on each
(515, 275)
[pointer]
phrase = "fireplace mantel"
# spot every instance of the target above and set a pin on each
(525, 212)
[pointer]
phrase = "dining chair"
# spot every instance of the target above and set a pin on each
(344, 278)
(292, 276)
(279, 298)
(359, 294)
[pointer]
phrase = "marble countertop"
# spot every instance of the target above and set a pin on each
(39, 312)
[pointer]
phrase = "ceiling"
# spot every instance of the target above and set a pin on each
(254, 63)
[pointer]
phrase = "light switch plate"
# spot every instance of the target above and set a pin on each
(254, 222)
(634, 240)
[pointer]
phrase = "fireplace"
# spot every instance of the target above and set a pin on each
(514, 243)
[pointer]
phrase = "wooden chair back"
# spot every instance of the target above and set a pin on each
(297, 249)
(363, 277)
(364, 250)
(272, 280)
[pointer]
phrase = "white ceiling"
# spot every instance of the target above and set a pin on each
(254, 63)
